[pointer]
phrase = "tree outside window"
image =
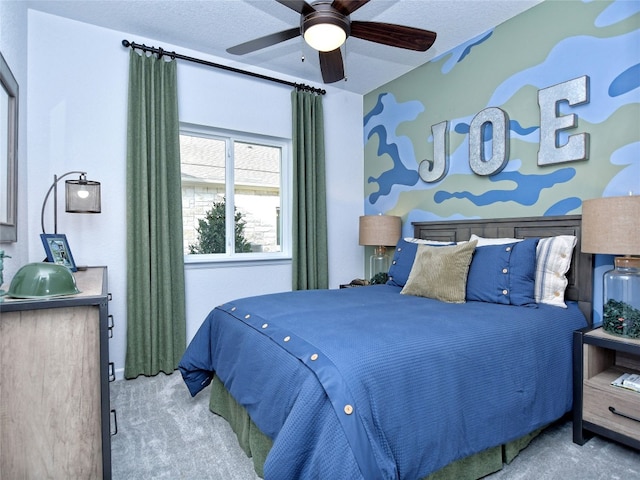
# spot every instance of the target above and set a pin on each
(212, 231)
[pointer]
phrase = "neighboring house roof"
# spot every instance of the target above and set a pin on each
(203, 161)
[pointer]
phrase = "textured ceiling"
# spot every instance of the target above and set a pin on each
(215, 25)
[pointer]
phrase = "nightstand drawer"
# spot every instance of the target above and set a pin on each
(596, 402)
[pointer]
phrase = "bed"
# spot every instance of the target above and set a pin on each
(386, 382)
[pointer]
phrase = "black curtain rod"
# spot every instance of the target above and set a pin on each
(160, 52)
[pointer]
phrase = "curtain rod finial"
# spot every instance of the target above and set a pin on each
(126, 43)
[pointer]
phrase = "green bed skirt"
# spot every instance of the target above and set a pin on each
(257, 445)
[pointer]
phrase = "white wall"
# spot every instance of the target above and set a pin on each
(77, 107)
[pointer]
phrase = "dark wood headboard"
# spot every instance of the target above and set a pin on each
(580, 274)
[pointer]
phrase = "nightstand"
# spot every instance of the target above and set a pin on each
(599, 407)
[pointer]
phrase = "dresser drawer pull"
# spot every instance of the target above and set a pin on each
(115, 422)
(110, 325)
(615, 412)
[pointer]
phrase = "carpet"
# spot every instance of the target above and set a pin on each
(163, 433)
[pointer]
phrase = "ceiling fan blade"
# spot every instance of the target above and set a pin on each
(300, 6)
(394, 35)
(262, 42)
(331, 66)
(347, 7)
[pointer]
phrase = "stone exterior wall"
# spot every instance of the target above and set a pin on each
(259, 207)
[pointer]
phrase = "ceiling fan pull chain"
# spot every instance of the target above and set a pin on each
(346, 65)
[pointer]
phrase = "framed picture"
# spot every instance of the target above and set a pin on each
(58, 251)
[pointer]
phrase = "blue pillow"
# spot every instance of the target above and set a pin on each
(403, 257)
(504, 274)
(402, 262)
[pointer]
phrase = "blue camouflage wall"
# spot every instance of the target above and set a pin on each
(552, 43)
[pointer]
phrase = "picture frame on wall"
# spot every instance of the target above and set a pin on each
(57, 249)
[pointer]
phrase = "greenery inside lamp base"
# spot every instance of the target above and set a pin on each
(379, 278)
(622, 319)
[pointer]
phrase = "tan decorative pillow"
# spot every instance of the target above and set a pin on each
(440, 272)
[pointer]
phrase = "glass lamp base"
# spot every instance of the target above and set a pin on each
(621, 310)
(379, 266)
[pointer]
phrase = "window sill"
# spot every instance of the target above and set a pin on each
(223, 261)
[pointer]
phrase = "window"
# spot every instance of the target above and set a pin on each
(233, 195)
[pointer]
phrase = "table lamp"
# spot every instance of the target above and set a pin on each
(611, 225)
(379, 231)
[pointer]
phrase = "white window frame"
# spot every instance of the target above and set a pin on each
(286, 204)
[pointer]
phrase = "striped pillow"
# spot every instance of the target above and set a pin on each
(553, 258)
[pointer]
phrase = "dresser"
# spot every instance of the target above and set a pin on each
(54, 384)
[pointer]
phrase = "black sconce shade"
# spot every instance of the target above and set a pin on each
(82, 196)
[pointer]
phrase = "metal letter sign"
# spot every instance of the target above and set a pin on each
(575, 92)
(431, 171)
(499, 120)
(552, 124)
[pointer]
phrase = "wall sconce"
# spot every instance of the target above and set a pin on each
(81, 196)
(611, 226)
(379, 231)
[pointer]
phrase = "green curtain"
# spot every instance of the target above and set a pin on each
(310, 258)
(156, 324)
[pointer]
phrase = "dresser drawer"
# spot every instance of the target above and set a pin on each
(597, 398)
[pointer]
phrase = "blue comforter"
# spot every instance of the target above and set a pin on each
(365, 383)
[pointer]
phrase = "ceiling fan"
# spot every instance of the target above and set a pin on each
(325, 25)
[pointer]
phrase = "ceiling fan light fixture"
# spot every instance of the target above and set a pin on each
(325, 29)
(325, 37)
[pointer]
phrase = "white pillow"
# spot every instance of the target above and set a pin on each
(483, 242)
(553, 259)
(421, 241)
